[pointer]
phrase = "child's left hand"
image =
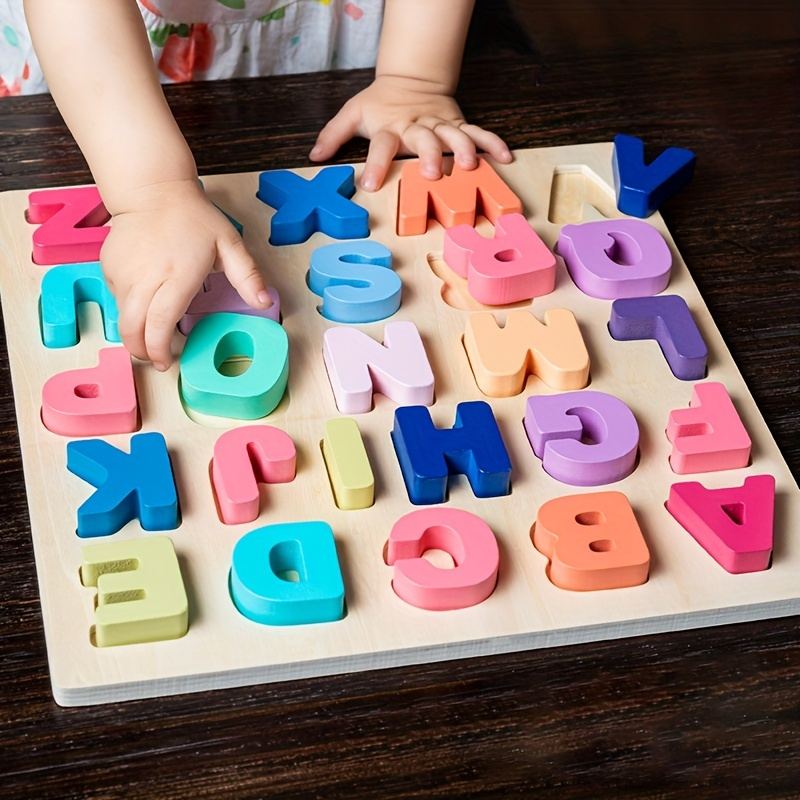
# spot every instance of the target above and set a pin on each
(406, 116)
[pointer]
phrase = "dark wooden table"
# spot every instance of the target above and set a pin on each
(700, 713)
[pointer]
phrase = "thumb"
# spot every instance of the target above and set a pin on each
(339, 130)
(242, 272)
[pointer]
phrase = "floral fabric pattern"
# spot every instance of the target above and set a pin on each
(215, 39)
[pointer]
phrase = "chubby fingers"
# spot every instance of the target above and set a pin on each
(242, 272)
(167, 305)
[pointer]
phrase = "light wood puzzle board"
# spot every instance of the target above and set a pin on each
(686, 588)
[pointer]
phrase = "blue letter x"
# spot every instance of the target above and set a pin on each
(321, 204)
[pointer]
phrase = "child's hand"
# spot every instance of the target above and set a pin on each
(161, 247)
(408, 117)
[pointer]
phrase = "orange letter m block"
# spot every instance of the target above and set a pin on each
(454, 199)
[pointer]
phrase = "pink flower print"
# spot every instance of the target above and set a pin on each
(353, 11)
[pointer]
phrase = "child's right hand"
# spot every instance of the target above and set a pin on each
(162, 245)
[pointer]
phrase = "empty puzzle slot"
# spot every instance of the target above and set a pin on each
(578, 194)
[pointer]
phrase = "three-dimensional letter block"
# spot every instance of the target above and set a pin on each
(358, 366)
(583, 438)
(709, 435)
(305, 207)
(140, 591)
(502, 358)
(642, 188)
(615, 258)
(355, 280)
(63, 289)
(131, 485)
(216, 295)
(221, 338)
(465, 537)
(733, 525)
(288, 574)
(348, 466)
(668, 320)
(515, 265)
(473, 447)
(593, 542)
(243, 458)
(96, 401)
(454, 199)
(72, 224)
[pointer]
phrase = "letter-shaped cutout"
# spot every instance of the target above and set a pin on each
(221, 338)
(288, 574)
(72, 224)
(465, 537)
(348, 466)
(304, 207)
(615, 258)
(140, 591)
(642, 188)
(63, 288)
(473, 447)
(593, 542)
(216, 295)
(502, 358)
(558, 426)
(131, 485)
(355, 280)
(515, 265)
(733, 525)
(668, 320)
(358, 366)
(709, 435)
(243, 458)
(97, 401)
(454, 199)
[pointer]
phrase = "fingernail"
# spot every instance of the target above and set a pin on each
(263, 297)
(315, 151)
(160, 367)
(505, 155)
(369, 183)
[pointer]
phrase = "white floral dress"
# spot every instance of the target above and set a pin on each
(212, 39)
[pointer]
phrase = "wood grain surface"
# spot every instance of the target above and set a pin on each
(692, 714)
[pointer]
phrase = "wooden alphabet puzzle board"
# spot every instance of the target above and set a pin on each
(686, 588)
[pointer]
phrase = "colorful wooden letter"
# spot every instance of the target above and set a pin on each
(220, 338)
(515, 265)
(709, 435)
(668, 320)
(216, 295)
(63, 288)
(593, 542)
(288, 574)
(243, 458)
(473, 447)
(465, 537)
(734, 525)
(72, 224)
(616, 258)
(348, 464)
(93, 402)
(131, 485)
(355, 280)
(305, 207)
(642, 188)
(502, 358)
(358, 366)
(140, 591)
(454, 199)
(583, 438)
